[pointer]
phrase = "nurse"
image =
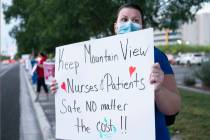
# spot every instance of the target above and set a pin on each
(167, 99)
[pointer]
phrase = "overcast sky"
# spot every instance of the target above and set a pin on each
(8, 44)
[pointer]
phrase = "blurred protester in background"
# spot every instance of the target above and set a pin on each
(34, 67)
(40, 73)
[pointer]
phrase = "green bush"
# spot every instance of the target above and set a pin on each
(203, 73)
(189, 81)
(175, 49)
(4, 57)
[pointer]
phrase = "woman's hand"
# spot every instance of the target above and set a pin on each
(156, 76)
(167, 97)
(54, 86)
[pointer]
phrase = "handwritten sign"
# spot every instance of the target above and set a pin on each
(104, 90)
(49, 72)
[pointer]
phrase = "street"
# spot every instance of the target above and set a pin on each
(18, 120)
(10, 109)
(4, 68)
(29, 128)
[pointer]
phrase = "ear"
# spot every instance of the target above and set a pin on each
(115, 28)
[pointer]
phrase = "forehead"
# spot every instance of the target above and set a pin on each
(129, 12)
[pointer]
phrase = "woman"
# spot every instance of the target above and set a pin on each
(40, 73)
(167, 98)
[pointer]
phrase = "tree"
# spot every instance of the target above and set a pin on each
(46, 24)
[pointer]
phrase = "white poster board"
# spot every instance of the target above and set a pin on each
(49, 72)
(26, 61)
(104, 90)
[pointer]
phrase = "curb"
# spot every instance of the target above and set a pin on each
(41, 117)
(194, 89)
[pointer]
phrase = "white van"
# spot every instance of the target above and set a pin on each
(191, 58)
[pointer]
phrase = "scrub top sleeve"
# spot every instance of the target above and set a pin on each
(162, 59)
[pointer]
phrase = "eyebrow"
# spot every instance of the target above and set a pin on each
(124, 16)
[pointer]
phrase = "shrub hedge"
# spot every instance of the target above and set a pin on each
(175, 49)
(203, 73)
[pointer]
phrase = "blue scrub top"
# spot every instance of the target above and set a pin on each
(160, 123)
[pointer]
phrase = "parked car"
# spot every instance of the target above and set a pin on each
(191, 58)
(8, 61)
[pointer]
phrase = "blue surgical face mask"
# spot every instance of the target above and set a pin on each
(129, 26)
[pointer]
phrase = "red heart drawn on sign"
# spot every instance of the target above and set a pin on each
(131, 70)
(63, 86)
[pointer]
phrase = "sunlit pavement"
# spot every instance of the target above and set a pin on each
(29, 128)
(44, 109)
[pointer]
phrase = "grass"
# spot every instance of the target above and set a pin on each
(193, 121)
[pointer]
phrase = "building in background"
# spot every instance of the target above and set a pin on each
(167, 37)
(193, 33)
(8, 45)
(197, 32)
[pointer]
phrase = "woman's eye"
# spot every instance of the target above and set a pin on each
(124, 19)
(136, 20)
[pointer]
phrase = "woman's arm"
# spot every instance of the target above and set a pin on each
(40, 65)
(167, 97)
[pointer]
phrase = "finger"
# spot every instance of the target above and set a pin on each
(54, 84)
(155, 74)
(156, 71)
(53, 81)
(54, 87)
(153, 80)
(156, 68)
(156, 65)
(156, 78)
(54, 90)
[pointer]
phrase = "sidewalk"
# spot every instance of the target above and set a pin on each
(42, 110)
(29, 128)
(194, 89)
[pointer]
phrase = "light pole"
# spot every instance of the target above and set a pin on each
(0, 67)
(0, 30)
